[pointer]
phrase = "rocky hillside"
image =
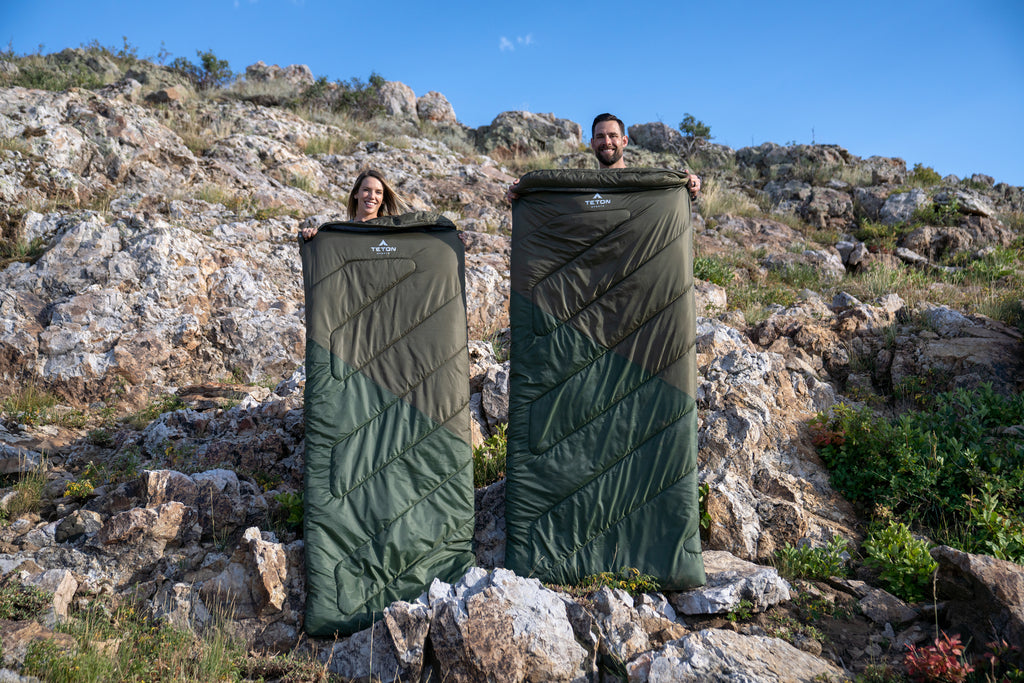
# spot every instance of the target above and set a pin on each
(151, 355)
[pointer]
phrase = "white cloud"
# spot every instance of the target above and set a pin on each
(521, 41)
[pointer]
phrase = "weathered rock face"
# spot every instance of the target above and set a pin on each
(506, 628)
(768, 487)
(435, 107)
(986, 595)
(521, 133)
(719, 655)
(657, 137)
(159, 291)
(398, 100)
(295, 74)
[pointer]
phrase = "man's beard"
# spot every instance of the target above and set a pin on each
(616, 154)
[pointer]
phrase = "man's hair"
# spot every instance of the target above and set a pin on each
(607, 117)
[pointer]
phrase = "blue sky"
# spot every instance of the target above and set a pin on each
(939, 83)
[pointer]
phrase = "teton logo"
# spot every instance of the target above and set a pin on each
(383, 248)
(597, 200)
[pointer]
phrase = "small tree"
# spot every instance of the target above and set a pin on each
(210, 73)
(694, 132)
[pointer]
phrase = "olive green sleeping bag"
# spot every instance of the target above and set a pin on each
(602, 437)
(389, 478)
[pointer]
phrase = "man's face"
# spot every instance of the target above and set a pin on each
(608, 143)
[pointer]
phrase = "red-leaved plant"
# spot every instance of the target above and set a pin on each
(942, 662)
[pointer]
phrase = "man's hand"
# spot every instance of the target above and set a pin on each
(309, 232)
(693, 185)
(511, 193)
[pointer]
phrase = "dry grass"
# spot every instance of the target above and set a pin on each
(716, 199)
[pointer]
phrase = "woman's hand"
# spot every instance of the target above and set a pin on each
(309, 232)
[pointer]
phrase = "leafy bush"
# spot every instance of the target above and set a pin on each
(291, 508)
(805, 562)
(210, 73)
(355, 97)
(78, 489)
(628, 579)
(489, 458)
(694, 129)
(943, 661)
(924, 176)
(995, 529)
(713, 270)
(904, 563)
(932, 466)
(937, 214)
(18, 601)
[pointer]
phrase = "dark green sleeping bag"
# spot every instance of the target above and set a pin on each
(602, 447)
(389, 477)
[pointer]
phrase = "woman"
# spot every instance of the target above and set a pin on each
(371, 196)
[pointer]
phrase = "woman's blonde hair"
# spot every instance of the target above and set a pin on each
(391, 205)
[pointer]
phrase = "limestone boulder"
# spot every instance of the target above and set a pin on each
(521, 133)
(435, 107)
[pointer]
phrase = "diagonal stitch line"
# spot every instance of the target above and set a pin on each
(610, 287)
(398, 397)
(378, 295)
(412, 564)
(628, 452)
(380, 529)
(614, 401)
(623, 517)
(397, 339)
(604, 238)
(615, 344)
(403, 451)
(579, 254)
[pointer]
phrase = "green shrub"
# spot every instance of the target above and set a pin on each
(628, 579)
(928, 465)
(924, 176)
(291, 508)
(713, 270)
(694, 129)
(995, 529)
(489, 458)
(805, 562)
(904, 564)
(937, 214)
(18, 601)
(210, 73)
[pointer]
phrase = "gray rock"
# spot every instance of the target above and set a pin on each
(985, 595)
(900, 207)
(435, 107)
(506, 624)
(730, 581)
(79, 523)
(882, 607)
(398, 100)
(524, 133)
(656, 136)
(724, 656)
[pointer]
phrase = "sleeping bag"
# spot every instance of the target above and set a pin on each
(602, 437)
(389, 478)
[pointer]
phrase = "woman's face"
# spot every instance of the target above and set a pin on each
(369, 198)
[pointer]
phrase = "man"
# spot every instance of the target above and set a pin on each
(608, 139)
